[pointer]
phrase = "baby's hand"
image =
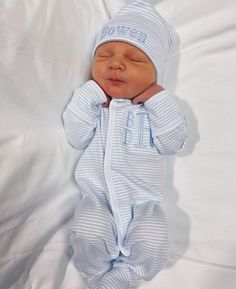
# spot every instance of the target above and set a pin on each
(148, 93)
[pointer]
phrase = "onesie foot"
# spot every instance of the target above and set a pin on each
(118, 278)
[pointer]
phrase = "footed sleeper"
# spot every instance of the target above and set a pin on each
(119, 233)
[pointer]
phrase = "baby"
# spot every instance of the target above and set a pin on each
(127, 124)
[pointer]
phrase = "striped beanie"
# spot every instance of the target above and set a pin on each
(141, 25)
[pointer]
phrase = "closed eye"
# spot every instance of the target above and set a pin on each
(103, 55)
(133, 59)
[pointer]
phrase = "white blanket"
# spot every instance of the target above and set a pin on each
(44, 55)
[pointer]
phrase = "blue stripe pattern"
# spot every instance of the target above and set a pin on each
(119, 233)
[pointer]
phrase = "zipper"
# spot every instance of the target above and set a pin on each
(108, 175)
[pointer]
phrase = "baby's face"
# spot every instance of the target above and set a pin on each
(122, 70)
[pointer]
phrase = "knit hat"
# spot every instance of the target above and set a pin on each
(141, 25)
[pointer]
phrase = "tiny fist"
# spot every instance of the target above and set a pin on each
(153, 89)
(148, 93)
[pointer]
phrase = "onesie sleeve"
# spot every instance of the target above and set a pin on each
(168, 125)
(81, 114)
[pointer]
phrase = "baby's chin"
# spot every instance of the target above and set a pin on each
(117, 92)
(120, 97)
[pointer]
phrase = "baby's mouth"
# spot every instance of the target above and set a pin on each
(115, 80)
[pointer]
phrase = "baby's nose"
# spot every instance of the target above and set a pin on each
(117, 64)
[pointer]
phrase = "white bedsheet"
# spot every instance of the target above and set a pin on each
(44, 55)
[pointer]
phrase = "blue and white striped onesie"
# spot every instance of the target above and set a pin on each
(119, 234)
